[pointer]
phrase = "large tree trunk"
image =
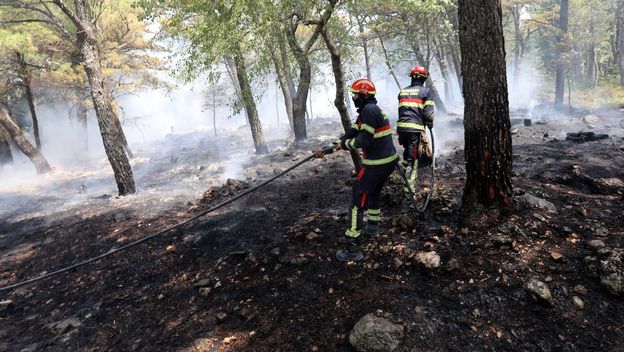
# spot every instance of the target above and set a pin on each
(41, 164)
(109, 128)
(120, 131)
(26, 79)
(6, 157)
(250, 105)
(486, 112)
(561, 65)
(339, 101)
(619, 38)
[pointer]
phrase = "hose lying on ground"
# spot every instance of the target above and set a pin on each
(159, 233)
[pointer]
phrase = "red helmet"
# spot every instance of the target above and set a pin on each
(419, 72)
(363, 86)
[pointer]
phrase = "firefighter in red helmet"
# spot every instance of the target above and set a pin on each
(371, 133)
(415, 112)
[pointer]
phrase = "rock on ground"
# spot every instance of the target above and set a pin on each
(612, 273)
(374, 334)
(535, 202)
(539, 290)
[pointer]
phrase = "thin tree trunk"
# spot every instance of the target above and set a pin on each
(6, 157)
(250, 105)
(365, 48)
(82, 117)
(7, 122)
(429, 83)
(486, 112)
(26, 79)
(385, 54)
(439, 55)
(619, 39)
(515, 13)
(339, 101)
(214, 112)
(280, 71)
(457, 67)
(591, 52)
(561, 65)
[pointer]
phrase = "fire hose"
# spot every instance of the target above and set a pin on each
(327, 150)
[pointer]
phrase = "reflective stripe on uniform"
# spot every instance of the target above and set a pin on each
(374, 215)
(411, 125)
(374, 211)
(355, 125)
(380, 161)
(367, 128)
(353, 231)
(429, 102)
(411, 105)
(376, 218)
(383, 131)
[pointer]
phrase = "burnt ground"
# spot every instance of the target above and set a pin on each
(260, 275)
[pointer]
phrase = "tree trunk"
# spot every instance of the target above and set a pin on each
(26, 79)
(214, 112)
(365, 48)
(6, 157)
(486, 112)
(515, 13)
(591, 52)
(82, 117)
(457, 67)
(301, 96)
(120, 131)
(439, 55)
(339, 101)
(561, 65)
(429, 83)
(390, 69)
(250, 105)
(619, 39)
(109, 128)
(284, 86)
(41, 164)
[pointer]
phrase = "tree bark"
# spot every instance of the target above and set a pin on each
(387, 60)
(561, 65)
(591, 51)
(26, 78)
(515, 14)
(280, 71)
(429, 83)
(250, 105)
(82, 18)
(339, 101)
(6, 157)
(619, 38)
(305, 69)
(214, 112)
(486, 112)
(82, 117)
(41, 164)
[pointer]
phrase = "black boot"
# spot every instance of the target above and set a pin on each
(371, 229)
(352, 252)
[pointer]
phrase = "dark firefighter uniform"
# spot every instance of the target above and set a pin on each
(372, 133)
(415, 112)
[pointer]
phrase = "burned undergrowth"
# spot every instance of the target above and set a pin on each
(260, 275)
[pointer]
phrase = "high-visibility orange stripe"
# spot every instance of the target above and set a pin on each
(363, 200)
(384, 128)
(411, 100)
(360, 174)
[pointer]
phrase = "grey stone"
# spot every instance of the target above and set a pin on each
(539, 290)
(612, 272)
(374, 334)
(578, 302)
(535, 202)
(596, 244)
(590, 119)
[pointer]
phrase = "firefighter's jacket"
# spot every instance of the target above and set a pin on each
(415, 108)
(373, 134)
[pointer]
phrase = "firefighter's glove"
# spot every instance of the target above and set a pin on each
(430, 125)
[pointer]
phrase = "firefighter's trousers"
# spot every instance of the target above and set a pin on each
(410, 142)
(366, 195)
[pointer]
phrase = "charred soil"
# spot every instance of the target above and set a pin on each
(260, 275)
